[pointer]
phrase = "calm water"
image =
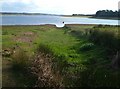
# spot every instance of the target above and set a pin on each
(56, 20)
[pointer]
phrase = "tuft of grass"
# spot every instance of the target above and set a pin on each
(44, 49)
(20, 60)
(86, 46)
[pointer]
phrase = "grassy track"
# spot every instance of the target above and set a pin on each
(88, 63)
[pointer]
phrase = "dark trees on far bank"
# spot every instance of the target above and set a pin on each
(107, 13)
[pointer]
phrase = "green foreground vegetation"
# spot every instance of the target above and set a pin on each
(75, 56)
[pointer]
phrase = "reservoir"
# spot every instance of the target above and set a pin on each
(51, 19)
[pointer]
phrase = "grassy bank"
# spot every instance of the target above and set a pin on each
(111, 18)
(79, 55)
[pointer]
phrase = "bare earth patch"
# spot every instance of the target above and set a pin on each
(25, 37)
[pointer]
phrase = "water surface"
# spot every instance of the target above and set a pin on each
(54, 20)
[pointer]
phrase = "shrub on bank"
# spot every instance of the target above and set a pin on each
(105, 37)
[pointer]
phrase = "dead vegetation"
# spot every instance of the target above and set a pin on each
(42, 68)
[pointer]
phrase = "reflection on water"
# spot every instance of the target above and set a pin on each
(60, 25)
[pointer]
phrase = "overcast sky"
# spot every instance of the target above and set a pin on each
(58, 6)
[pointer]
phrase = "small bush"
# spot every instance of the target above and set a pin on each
(86, 46)
(20, 60)
(105, 38)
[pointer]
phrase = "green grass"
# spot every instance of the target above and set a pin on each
(86, 67)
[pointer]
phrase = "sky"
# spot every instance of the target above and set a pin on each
(65, 7)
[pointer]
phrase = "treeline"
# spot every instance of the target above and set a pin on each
(102, 13)
(107, 13)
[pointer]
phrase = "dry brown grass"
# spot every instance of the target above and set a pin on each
(42, 68)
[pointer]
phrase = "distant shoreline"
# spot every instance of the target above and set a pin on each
(16, 14)
(76, 16)
(109, 18)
